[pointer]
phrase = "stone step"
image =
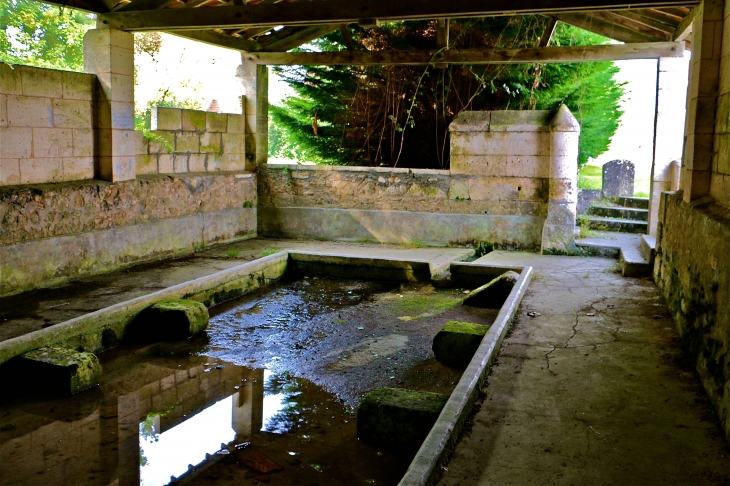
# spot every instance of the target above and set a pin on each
(617, 224)
(648, 248)
(633, 263)
(633, 202)
(599, 249)
(620, 212)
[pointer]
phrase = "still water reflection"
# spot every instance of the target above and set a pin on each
(161, 414)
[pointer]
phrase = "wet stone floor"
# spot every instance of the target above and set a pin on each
(267, 395)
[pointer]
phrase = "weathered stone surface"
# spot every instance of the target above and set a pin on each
(618, 178)
(456, 343)
(692, 270)
(64, 371)
(493, 294)
(168, 320)
(399, 418)
(30, 213)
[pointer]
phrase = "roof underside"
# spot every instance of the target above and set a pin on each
(281, 25)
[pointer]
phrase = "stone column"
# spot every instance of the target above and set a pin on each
(109, 54)
(707, 35)
(558, 233)
(671, 96)
(255, 81)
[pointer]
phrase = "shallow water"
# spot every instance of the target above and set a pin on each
(282, 369)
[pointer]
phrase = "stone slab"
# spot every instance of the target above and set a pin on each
(492, 295)
(456, 343)
(61, 370)
(398, 418)
(169, 320)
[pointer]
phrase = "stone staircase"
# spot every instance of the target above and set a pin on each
(619, 231)
(629, 215)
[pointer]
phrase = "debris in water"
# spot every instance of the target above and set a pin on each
(360, 328)
(223, 452)
(533, 314)
(206, 370)
(257, 461)
(242, 445)
(237, 387)
(7, 427)
(465, 292)
(219, 367)
(591, 314)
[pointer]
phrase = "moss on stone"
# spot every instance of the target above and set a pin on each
(398, 418)
(62, 370)
(456, 343)
(417, 305)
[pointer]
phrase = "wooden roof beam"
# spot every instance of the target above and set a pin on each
(299, 36)
(217, 39)
(340, 12)
(611, 52)
(648, 21)
(547, 34)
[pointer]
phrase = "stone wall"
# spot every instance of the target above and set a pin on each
(692, 269)
(193, 141)
(498, 190)
(429, 207)
(50, 233)
(46, 130)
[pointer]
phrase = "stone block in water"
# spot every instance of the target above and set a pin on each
(398, 418)
(456, 343)
(493, 294)
(169, 320)
(60, 370)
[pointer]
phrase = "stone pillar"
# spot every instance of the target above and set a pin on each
(707, 35)
(558, 233)
(109, 54)
(671, 96)
(248, 405)
(255, 81)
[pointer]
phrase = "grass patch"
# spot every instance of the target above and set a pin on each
(590, 177)
(269, 251)
(233, 252)
(414, 306)
(641, 194)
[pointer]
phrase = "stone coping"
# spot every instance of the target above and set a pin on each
(349, 168)
(425, 468)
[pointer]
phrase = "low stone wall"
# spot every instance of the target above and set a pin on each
(46, 131)
(692, 269)
(50, 233)
(429, 207)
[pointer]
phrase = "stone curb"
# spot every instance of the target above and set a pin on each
(425, 469)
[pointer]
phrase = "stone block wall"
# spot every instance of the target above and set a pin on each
(193, 141)
(46, 125)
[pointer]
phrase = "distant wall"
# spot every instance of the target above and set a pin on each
(193, 141)
(46, 125)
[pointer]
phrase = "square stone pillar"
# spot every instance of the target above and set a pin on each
(109, 54)
(255, 81)
(702, 96)
(671, 97)
(558, 234)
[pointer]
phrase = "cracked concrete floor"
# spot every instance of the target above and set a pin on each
(594, 389)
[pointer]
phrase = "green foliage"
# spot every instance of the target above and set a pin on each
(590, 177)
(399, 115)
(42, 35)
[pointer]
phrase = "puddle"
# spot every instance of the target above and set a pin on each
(280, 371)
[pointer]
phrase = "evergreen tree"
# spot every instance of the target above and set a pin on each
(399, 115)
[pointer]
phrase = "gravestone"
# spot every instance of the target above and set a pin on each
(618, 178)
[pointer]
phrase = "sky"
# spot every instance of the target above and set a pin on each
(203, 72)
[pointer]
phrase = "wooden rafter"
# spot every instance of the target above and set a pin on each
(548, 32)
(616, 19)
(220, 40)
(648, 21)
(350, 11)
(649, 50)
(601, 27)
(295, 37)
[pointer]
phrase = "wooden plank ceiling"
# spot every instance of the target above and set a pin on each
(280, 25)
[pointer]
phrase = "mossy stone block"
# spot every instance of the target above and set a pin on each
(493, 294)
(169, 320)
(456, 343)
(61, 370)
(398, 418)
